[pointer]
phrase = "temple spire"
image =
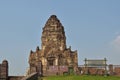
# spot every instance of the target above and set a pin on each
(53, 34)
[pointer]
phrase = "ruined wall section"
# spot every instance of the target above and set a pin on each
(4, 70)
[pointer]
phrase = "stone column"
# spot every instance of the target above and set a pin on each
(56, 61)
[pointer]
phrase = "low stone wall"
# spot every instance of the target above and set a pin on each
(113, 70)
(117, 71)
(92, 71)
(95, 71)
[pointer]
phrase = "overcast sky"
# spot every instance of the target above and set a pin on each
(92, 27)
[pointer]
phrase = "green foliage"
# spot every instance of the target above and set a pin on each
(79, 77)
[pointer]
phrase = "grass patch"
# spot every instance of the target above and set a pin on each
(79, 77)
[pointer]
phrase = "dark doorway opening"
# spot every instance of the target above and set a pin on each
(51, 61)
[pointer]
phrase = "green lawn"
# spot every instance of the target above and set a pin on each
(83, 77)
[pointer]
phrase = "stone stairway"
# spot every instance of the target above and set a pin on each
(33, 76)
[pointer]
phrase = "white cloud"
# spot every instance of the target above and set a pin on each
(113, 51)
(116, 43)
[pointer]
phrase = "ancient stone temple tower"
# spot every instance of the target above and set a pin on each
(53, 57)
